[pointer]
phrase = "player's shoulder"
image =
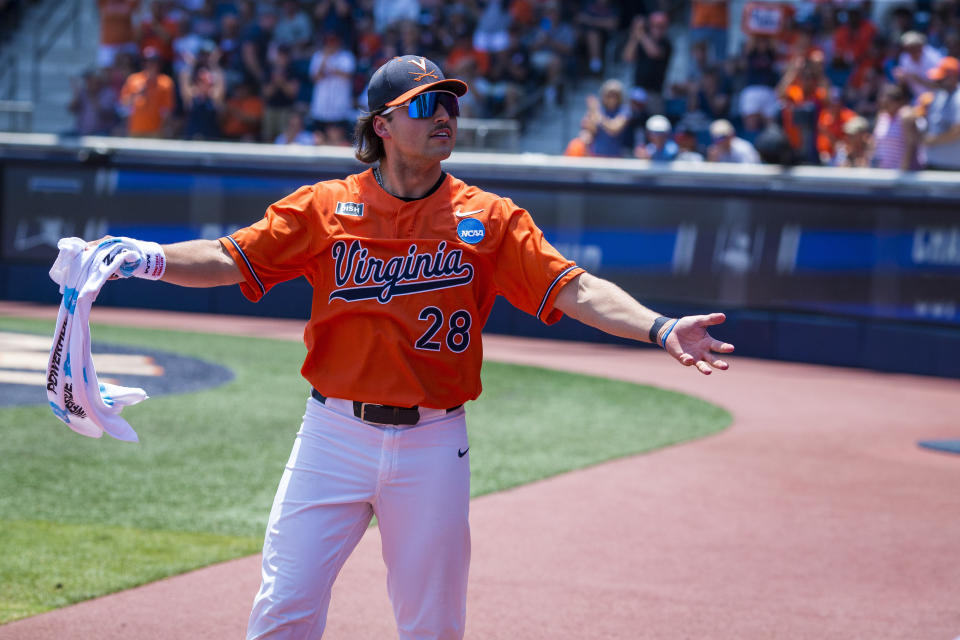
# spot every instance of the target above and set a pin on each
(460, 189)
(334, 186)
(474, 198)
(333, 189)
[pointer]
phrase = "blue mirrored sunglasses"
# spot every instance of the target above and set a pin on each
(425, 105)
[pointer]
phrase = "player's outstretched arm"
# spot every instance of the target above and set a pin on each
(605, 306)
(200, 263)
(195, 263)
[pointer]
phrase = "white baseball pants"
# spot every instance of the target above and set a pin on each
(341, 472)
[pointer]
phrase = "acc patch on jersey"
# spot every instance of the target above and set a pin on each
(471, 230)
(350, 209)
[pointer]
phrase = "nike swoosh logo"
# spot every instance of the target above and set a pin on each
(460, 454)
(460, 213)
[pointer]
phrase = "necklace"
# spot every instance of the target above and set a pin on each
(379, 179)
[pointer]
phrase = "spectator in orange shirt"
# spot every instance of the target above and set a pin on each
(148, 98)
(803, 92)
(157, 31)
(243, 114)
(521, 13)
(464, 59)
(116, 30)
(830, 124)
(853, 37)
(579, 147)
(871, 62)
(709, 20)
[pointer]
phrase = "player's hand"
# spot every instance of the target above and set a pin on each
(691, 345)
(129, 265)
(96, 243)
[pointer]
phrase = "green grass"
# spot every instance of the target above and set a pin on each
(533, 423)
(96, 516)
(47, 565)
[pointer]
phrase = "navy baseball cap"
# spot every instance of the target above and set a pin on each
(405, 77)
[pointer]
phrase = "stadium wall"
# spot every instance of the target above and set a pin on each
(843, 267)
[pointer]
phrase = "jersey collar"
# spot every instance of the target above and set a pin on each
(430, 192)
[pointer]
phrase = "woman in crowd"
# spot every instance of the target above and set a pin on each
(896, 140)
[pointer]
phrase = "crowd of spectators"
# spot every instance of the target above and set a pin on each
(815, 82)
(295, 71)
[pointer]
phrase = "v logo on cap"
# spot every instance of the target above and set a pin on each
(422, 64)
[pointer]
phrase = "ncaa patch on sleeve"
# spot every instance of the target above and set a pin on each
(471, 230)
(350, 209)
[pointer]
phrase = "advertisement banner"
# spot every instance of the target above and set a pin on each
(855, 256)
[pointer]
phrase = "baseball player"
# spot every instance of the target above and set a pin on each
(405, 261)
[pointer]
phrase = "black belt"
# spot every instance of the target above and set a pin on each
(381, 413)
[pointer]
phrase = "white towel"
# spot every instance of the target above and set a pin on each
(76, 396)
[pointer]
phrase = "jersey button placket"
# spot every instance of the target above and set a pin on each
(406, 220)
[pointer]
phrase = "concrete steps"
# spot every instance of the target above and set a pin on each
(45, 82)
(553, 126)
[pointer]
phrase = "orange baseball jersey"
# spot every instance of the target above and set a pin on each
(401, 289)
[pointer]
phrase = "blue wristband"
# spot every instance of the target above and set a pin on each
(663, 343)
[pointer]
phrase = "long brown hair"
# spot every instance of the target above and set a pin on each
(367, 145)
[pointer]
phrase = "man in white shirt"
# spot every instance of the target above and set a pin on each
(917, 59)
(332, 106)
(727, 147)
(943, 117)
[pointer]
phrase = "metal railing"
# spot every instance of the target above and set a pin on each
(9, 76)
(18, 115)
(53, 19)
(494, 134)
